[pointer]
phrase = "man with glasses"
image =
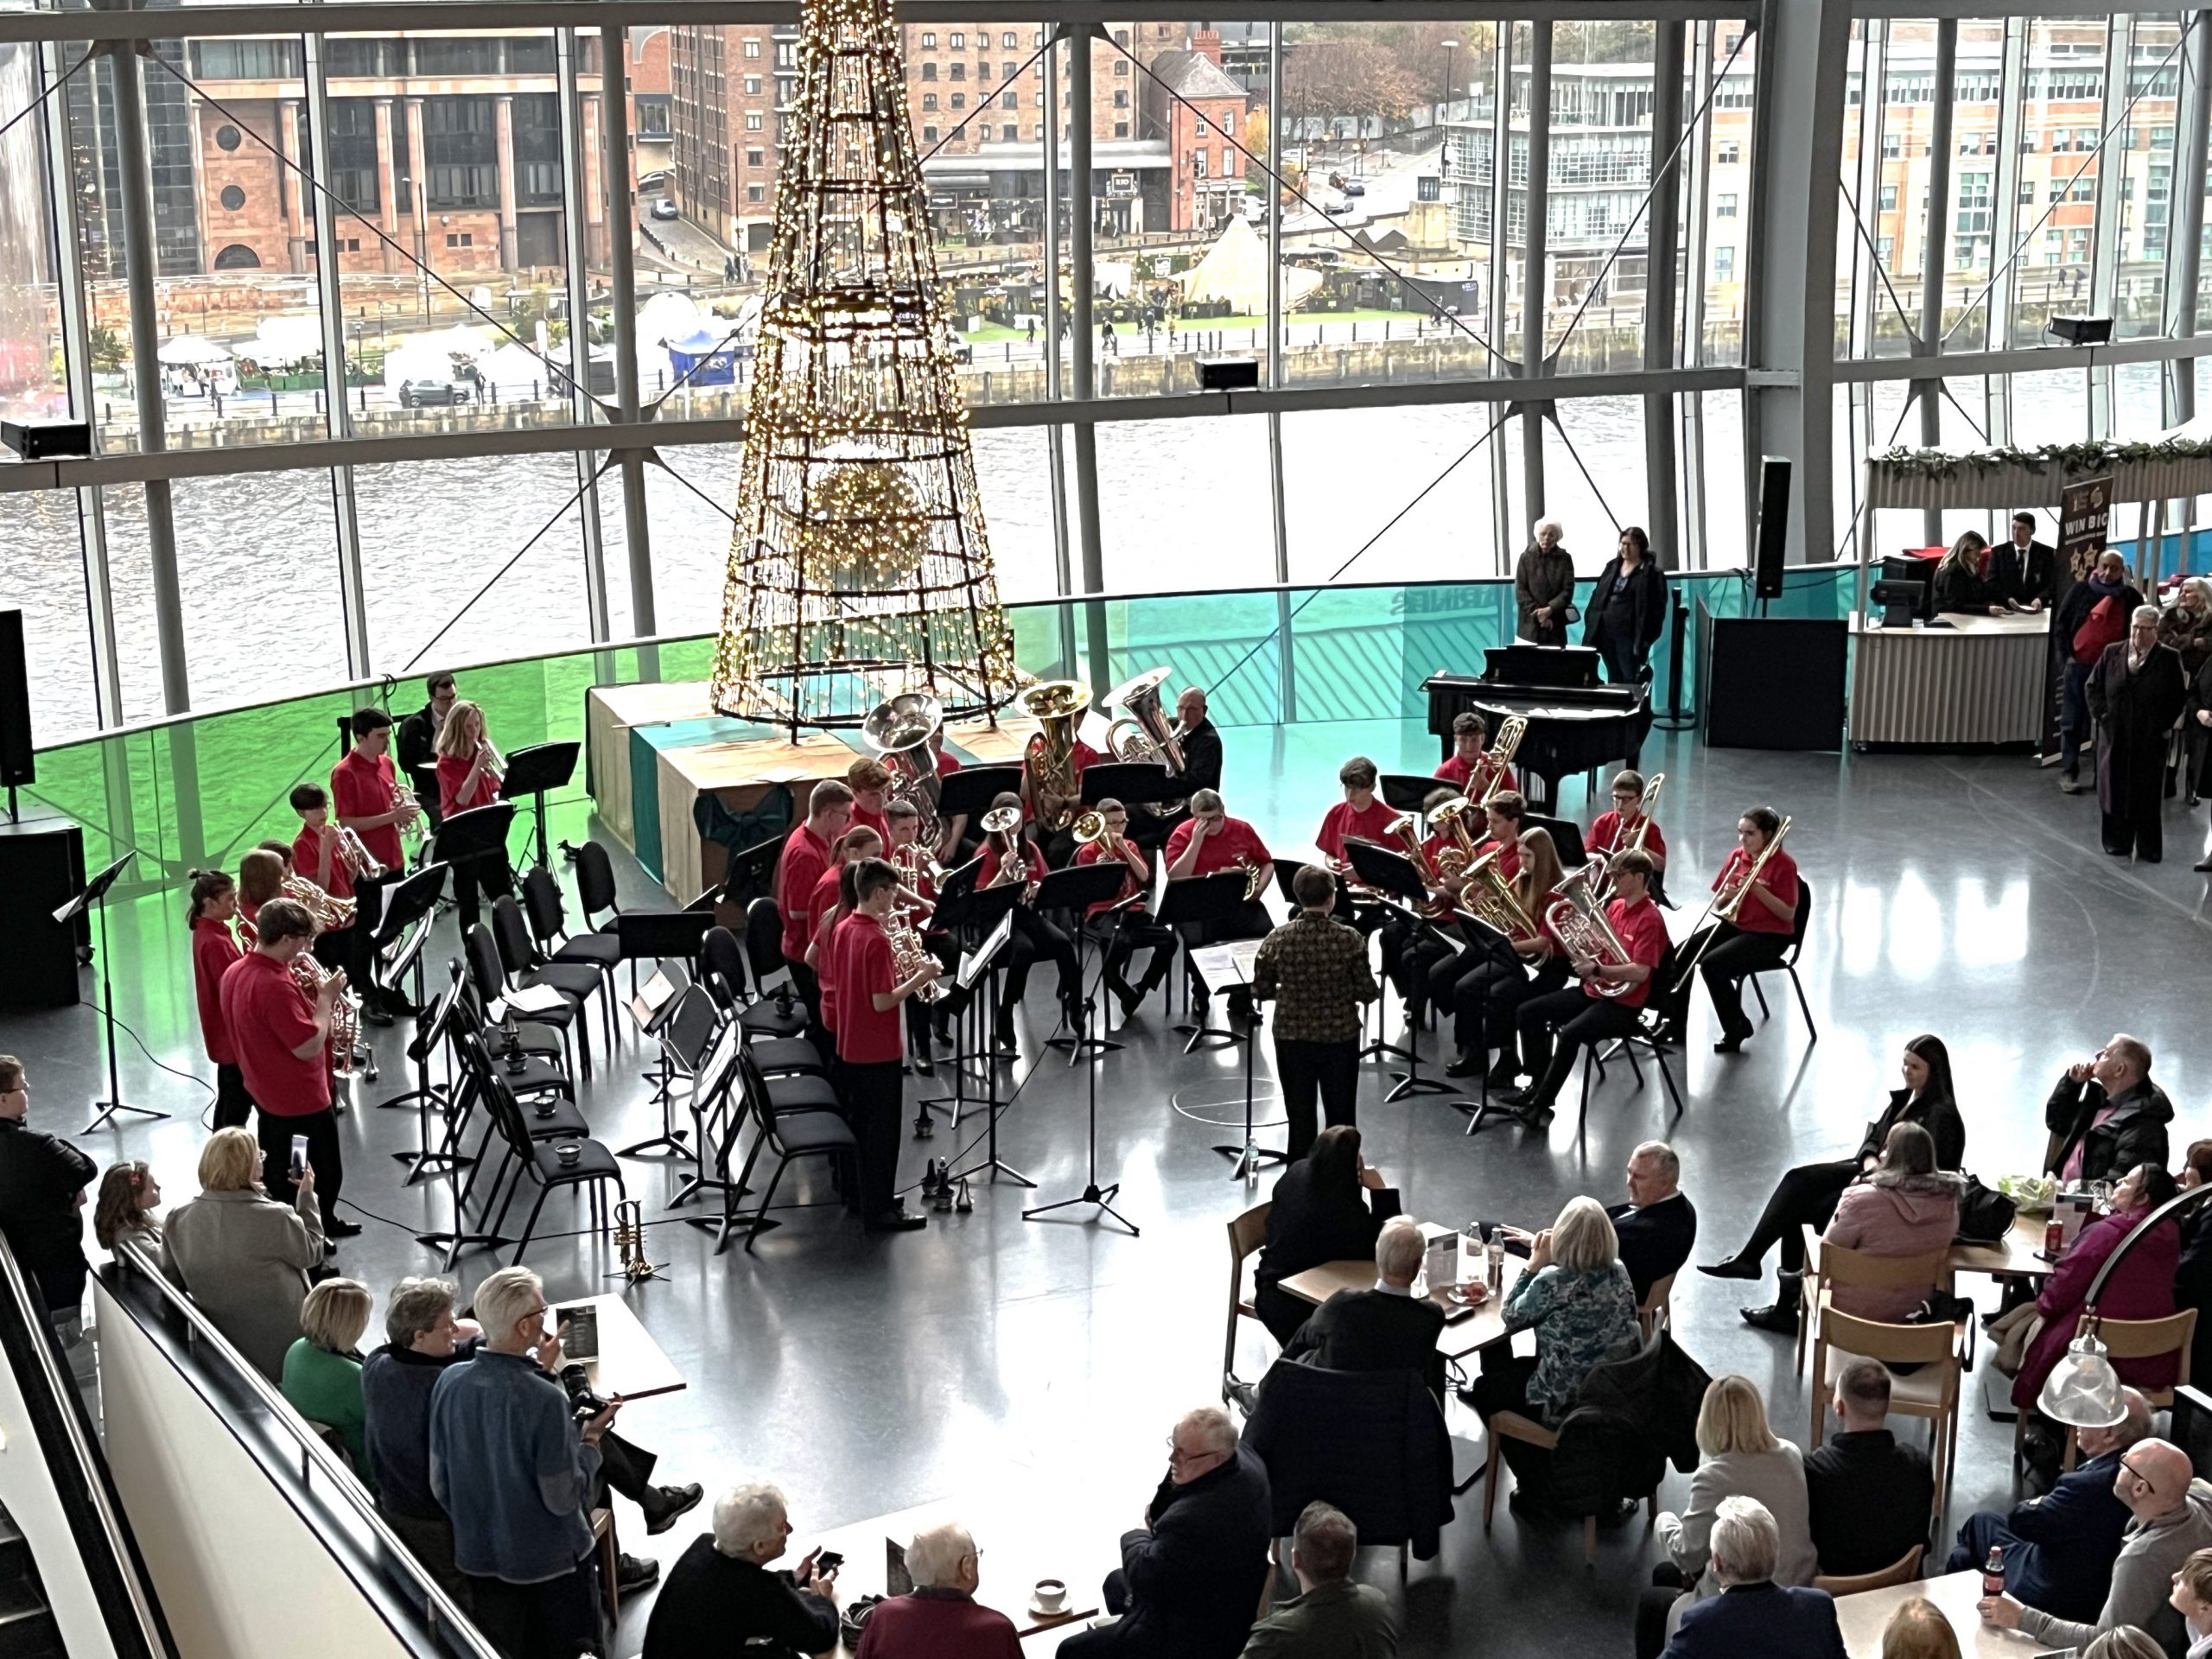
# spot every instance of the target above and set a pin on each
(1189, 1576)
(2170, 1517)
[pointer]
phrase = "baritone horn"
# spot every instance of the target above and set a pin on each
(1145, 732)
(1048, 762)
(900, 730)
(1581, 928)
(1452, 818)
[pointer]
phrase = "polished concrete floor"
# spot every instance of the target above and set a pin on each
(1962, 895)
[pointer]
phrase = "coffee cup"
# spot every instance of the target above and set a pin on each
(1050, 1595)
(569, 1152)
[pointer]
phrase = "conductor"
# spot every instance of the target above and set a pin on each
(1314, 968)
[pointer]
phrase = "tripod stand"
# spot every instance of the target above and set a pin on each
(1244, 1021)
(972, 971)
(1101, 1198)
(94, 897)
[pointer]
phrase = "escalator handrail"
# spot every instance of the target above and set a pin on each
(442, 1609)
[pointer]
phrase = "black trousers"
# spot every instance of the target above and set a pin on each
(873, 1103)
(489, 874)
(808, 987)
(2142, 834)
(1733, 954)
(1131, 931)
(324, 1157)
(1503, 1385)
(1577, 1018)
(1306, 1070)
(1034, 938)
(557, 1619)
(1804, 1197)
(1412, 958)
(1624, 659)
(336, 951)
(233, 1106)
(368, 915)
(1487, 1004)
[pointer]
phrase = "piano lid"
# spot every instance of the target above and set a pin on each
(1546, 665)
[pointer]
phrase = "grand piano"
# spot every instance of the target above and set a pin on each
(1576, 724)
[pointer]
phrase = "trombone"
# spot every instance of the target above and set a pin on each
(1726, 904)
(1604, 889)
(1497, 757)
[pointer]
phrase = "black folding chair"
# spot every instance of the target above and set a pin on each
(780, 1014)
(525, 970)
(801, 1131)
(568, 1159)
(488, 972)
(549, 928)
(1798, 923)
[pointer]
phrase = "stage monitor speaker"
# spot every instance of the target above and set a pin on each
(18, 765)
(41, 868)
(1773, 681)
(1774, 527)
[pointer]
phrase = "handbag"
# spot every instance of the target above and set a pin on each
(1985, 1215)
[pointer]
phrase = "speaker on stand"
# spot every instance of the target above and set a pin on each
(1774, 530)
(1677, 718)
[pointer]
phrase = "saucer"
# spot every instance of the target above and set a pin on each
(1040, 1610)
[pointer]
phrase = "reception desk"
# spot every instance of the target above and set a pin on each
(1981, 682)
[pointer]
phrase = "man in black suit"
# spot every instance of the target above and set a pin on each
(1657, 1226)
(1385, 1329)
(2024, 571)
(1754, 1614)
(1200, 743)
(2059, 1549)
(1868, 1497)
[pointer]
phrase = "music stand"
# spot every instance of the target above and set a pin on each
(534, 770)
(477, 1063)
(977, 914)
(1100, 1197)
(429, 1031)
(1130, 782)
(1075, 889)
(1392, 874)
(1225, 969)
(94, 897)
(1362, 856)
(687, 1027)
(983, 959)
(969, 792)
(1404, 791)
(659, 933)
(1566, 837)
(411, 900)
(465, 840)
(1195, 900)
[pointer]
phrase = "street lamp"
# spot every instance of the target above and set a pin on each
(421, 216)
(1450, 46)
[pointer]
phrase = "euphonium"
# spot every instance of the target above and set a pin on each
(1049, 760)
(1489, 896)
(899, 729)
(1495, 759)
(1145, 732)
(1409, 833)
(1582, 930)
(1452, 818)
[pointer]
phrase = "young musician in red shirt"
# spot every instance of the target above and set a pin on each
(825, 908)
(1582, 1014)
(1615, 831)
(1469, 733)
(925, 1020)
(367, 798)
(1501, 818)
(870, 782)
(1765, 920)
(1485, 985)
(799, 869)
(1206, 843)
(214, 901)
(282, 1043)
(1033, 937)
(318, 856)
(1127, 932)
(1361, 813)
(869, 1045)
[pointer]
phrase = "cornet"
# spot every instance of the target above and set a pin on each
(353, 852)
(1090, 826)
(630, 1240)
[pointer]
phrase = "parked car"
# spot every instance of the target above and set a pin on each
(416, 394)
(665, 209)
(1354, 187)
(1335, 206)
(653, 182)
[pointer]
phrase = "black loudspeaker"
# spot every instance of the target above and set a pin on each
(41, 868)
(1774, 527)
(17, 764)
(1773, 682)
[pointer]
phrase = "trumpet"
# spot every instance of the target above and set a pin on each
(1048, 762)
(354, 854)
(1581, 926)
(1452, 818)
(409, 821)
(908, 953)
(1724, 905)
(1145, 732)
(1256, 882)
(630, 1240)
(1495, 759)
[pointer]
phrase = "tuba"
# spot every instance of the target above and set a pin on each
(1490, 771)
(1452, 818)
(1145, 732)
(1049, 760)
(899, 730)
(1581, 928)
(1489, 899)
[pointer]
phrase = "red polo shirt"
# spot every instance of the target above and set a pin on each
(1235, 842)
(307, 855)
(821, 903)
(1509, 855)
(361, 788)
(1091, 851)
(1644, 930)
(1605, 836)
(946, 766)
(1342, 821)
(865, 1036)
(213, 950)
(1779, 878)
(864, 818)
(453, 772)
(267, 1020)
(1033, 861)
(805, 855)
(1456, 772)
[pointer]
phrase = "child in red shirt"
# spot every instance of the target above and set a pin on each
(1615, 831)
(215, 948)
(869, 1045)
(1358, 814)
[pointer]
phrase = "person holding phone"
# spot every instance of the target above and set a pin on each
(243, 1257)
(721, 1597)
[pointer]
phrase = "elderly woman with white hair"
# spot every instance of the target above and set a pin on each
(1751, 1613)
(940, 1619)
(2135, 694)
(1543, 586)
(720, 1597)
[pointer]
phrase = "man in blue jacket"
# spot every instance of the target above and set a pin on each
(2059, 1549)
(1754, 1614)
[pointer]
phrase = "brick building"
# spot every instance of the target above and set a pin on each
(1199, 110)
(728, 85)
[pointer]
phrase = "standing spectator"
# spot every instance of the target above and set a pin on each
(941, 1617)
(1543, 587)
(128, 1195)
(1867, 1496)
(2092, 615)
(42, 1182)
(1628, 609)
(2105, 1116)
(2186, 624)
(322, 1370)
(2135, 694)
(720, 1597)
(241, 1256)
(1330, 1616)
(511, 1467)
(1329, 1206)
(1315, 968)
(1751, 1613)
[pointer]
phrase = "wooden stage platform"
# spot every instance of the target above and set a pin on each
(652, 751)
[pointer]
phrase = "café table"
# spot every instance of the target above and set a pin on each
(1466, 1329)
(1864, 1616)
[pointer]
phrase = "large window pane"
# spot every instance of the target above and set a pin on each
(2146, 142)
(2060, 124)
(44, 579)
(1348, 474)
(1184, 505)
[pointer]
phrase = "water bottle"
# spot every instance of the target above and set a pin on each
(1992, 1572)
(1494, 1258)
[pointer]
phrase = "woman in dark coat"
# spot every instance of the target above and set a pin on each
(1960, 586)
(1328, 1206)
(2135, 695)
(1628, 609)
(1806, 1196)
(1543, 586)
(2197, 730)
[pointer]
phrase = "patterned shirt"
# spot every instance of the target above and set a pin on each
(1581, 1321)
(1315, 968)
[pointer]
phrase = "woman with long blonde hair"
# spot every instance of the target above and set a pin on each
(1502, 974)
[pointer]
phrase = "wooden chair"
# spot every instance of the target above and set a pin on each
(1932, 1391)
(1828, 1265)
(1902, 1570)
(1247, 1233)
(2137, 1339)
(1657, 1310)
(610, 1561)
(1505, 1425)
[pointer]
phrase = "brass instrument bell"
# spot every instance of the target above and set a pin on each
(1056, 706)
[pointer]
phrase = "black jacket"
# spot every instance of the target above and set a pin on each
(1646, 603)
(1543, 580)
(1201, 748)
(2073, 1533)
(1962, 591)
(2038, 580)
(1372, 1443)
(710, 1603)
(1654, 1241)
(1373, 1330)
(1868, 1500)
(40, 1178)
(1771, 1620)
(2073, 610)
(1938, 1117)
(1194, 1579)
(1304, 1228)
(1633, 1417)
(2134, 1133)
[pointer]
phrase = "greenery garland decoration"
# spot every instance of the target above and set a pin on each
(2085, 458)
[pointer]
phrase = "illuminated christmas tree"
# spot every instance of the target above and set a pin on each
(860, 566)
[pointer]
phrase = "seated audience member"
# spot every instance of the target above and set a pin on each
(720, 1597)
(1918, 1631)
(2105, 1116)
(1386, 1328)
(1574, 1294)
(941, 1619)
(2192, 1599)
(1330, 1616)
(42, 1182)
(1190, 1577)
(322, 1370)
(2170, 1517)
(241, 1256)
(1906, 1207)
(512, 1469)
(1867, 1496)
(128, 1196)
(1960, 586)
(2193, 1276)
(1742, 1459)
(2140, 1287)
(1749, 1613)
(2126, 1642)
(1328, 1206)
(1657, 1227)
(2059, 1548)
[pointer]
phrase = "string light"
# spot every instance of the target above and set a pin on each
(859, 564)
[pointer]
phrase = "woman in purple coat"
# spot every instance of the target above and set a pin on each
(2142, 1289)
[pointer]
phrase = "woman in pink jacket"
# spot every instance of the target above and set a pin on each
(2141, 1289)
(1906, 1206)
